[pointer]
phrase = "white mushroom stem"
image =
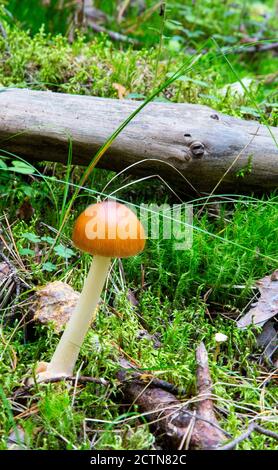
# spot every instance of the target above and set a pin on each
(66, 354)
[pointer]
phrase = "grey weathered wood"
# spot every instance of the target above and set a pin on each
(198, 141)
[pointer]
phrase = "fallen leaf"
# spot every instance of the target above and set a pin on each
(25, 211)
(55, 303)
(16, 439)
(122, 91)
(41, 367)
(267, 305)
(267, 340)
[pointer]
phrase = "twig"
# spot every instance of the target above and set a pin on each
(154, 382)
(185, 443)
(246, 434)
(143, 375)
(207, 432)
(81, 379)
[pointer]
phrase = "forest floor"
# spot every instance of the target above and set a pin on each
(180, 298)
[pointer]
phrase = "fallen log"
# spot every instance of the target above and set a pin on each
(202, 144)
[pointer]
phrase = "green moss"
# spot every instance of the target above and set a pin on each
(45, 62)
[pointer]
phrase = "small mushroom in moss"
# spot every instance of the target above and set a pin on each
(219, 339)
(106, 230)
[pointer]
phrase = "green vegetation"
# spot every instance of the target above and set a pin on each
(187, 296)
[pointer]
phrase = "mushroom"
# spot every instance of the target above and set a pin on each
(219, 338)
(106, 230)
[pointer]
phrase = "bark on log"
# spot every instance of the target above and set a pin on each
(198, 141)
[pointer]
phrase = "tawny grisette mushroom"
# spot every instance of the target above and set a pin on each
(106, 230)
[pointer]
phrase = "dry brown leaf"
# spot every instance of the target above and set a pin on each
(55, 303)
(26, 210)
(267, 305)
(122, 91)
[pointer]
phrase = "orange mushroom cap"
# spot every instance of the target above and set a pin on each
(109, 229)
